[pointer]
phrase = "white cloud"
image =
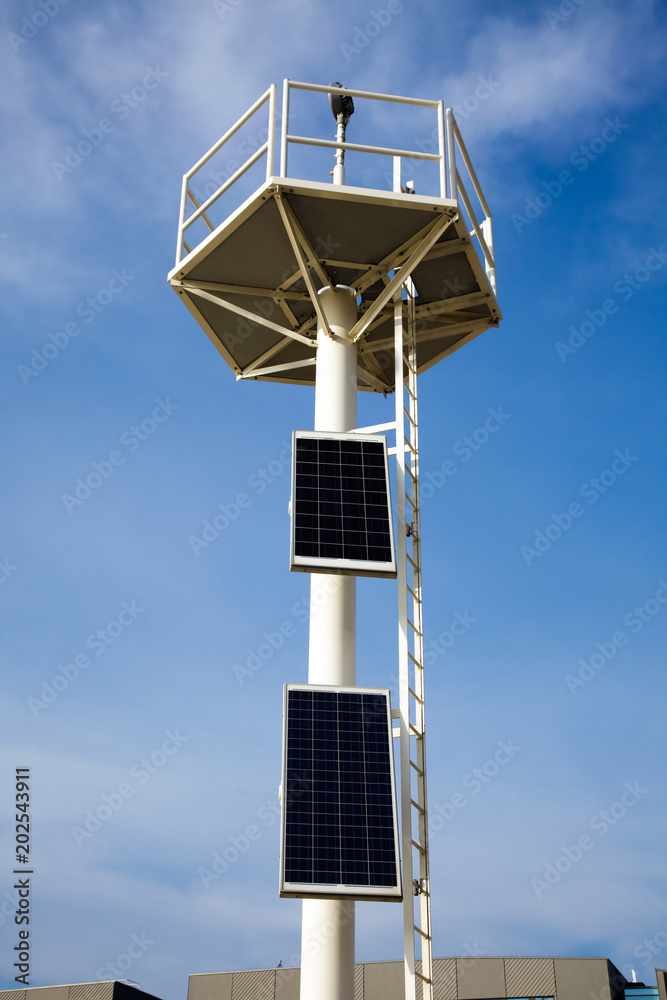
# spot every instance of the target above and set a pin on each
(547, 80)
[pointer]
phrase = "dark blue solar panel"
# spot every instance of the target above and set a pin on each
(341, 504)
(339, 823)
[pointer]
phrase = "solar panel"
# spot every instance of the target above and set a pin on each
(341, 507)
(339, 829)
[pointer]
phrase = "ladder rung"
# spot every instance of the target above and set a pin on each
(423, 933)
(411, 560)
(411, 419)
(409, 444)
(424, 979)
(418, 846)
(415, 731)
(417, 806)
(413, 503)
(411, 591)
(417, 769)
(410, 473)
(414, 628)
(416, 662)
(415, 696)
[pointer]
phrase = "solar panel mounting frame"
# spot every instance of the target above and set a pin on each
(309, 890)
(344, 566)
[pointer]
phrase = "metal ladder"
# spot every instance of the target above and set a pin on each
(414, 815)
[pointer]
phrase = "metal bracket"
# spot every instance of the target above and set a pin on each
(296, 238)
(436, 230)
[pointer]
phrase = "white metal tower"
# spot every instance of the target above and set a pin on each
(368, 287)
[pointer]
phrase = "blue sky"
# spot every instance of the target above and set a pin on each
(576, 369)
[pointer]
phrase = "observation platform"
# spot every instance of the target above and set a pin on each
(251, 282)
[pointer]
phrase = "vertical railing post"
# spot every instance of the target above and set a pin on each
(283, 133)
(271, 142)
(181, 221)
(441, 150)
(451, 156)
(487, 230)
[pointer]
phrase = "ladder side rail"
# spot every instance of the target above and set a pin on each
(403, 667)
(422, 811)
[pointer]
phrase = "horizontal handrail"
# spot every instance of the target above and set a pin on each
(357, 147)
(227, 184)
(471, 169)
(371, 95)
(286, 138)
(231, 131)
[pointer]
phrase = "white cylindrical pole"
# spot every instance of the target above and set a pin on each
(339, 169)
(327, 930)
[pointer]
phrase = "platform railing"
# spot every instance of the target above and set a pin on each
(484, 230)
(450, 149)
(267, 148)
(303, 140)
